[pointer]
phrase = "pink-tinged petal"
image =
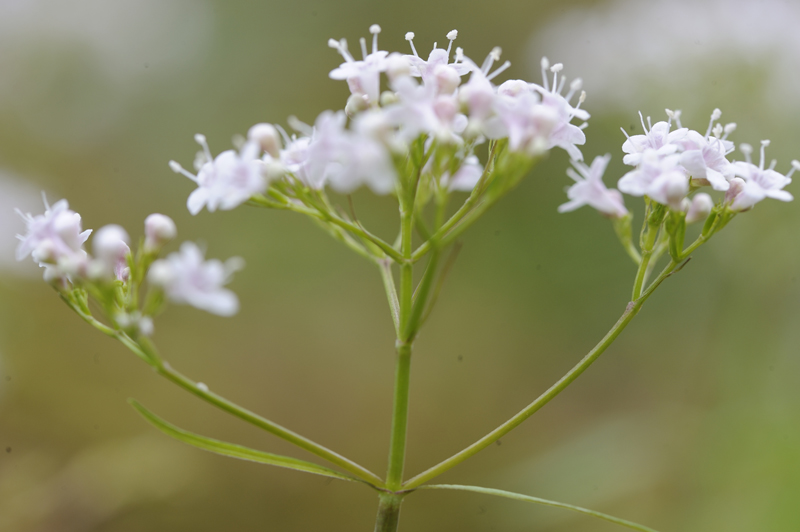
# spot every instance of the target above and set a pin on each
(717, 180)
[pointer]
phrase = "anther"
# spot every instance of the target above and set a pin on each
(410, 39)
(175, 167)
(452, 35)
(374, 29)
(558, 67)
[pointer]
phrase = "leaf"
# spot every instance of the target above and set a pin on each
(233, 450)
(537, 500)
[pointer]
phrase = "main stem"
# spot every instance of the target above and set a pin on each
(397, 448)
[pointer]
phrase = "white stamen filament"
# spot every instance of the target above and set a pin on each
(374, 30)
(574, 87)
(451, 36)
(410, 39)
(625, 132)
(201, 140)
(545, 66)
(178, 169)
(363, 42)
(500, 69)
(644, 127)
(795, 166)
(747, 150)
(764, 144)
(772, 164)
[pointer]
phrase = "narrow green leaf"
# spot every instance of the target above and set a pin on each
(537, 500)
(233, 450)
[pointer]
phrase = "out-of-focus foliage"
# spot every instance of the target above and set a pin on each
(687, 423)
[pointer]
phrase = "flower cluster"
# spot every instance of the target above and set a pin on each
(112, 275)
(670, 164)
(445, 105)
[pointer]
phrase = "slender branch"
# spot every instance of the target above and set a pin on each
(165, 370)
(537, 500)
(630, 311)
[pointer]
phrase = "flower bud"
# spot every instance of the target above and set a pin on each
(397, 66)
(110, 246)
(356, 103)
(736, 188)
(447, 79)
(158, 230)
(700, 208)
(267, 137)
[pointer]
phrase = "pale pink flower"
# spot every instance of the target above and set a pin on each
(699, 208)
(437, 70)
(420, 109)
(760, 183)
(589, 189)
(111, 249)
(187, 278)
(659, 178)
(158, 230)
(363, 77)
(704, 156)
(657, 137)
(55, 240)
(227, 181)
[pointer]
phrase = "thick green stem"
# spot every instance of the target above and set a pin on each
(630, 311)
(388, 512)
(397, 449)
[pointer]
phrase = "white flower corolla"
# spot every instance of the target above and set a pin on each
(589, 189)
(527, 123)
(55, 240)
(564, 134)
(759, 182)
(111, 248)
(346, 159)
(657, 137)
(158, 230)
(420, 109)
(704, 156)
(659, 178)
(227, 181)
(363, 77)
(438, 66)
(699, 208)
(187, 278)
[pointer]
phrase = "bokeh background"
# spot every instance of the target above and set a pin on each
(690, 422)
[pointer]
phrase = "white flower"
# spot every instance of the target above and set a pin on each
(226, 181)
(527, 123)
(658, 137)
(564, 134)
(347, 159)
(420, 109)
(704, 157)
(589, 189)
(760, 183)
(54, 240)
(187, 279)
(363, 77)
(437, 71)
(111, 249)
(659, 178)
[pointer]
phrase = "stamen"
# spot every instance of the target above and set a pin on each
(764, 144)
(555, 69)
(718, 129)
(584, 125)
(451, 36)
(286, 139)
(581, 99)
(201, 140)
(298, 125)
(575, 86)
(545, 66)
(363, 42)
(374, 30)
(649, 123)
(772, 164)
(410, 39)
(643, 126)
(795, 166)
(714, 117)
(729, 128)
(747, 150)
(678, 117)
(178, 169)
(44, 200)
(561, 84)
(459, 55)
(500, 69)
(625, 132)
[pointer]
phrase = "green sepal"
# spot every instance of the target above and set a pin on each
(233, 450)
(676, 228)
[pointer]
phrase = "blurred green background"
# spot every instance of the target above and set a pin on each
(689, 422)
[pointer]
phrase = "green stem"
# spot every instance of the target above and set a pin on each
(537, 500)
(388, 512)
(630, 311)
(397, 448)
(165, 370)
(391, 293)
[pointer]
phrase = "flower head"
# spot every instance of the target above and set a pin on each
(363, 77)
(659, 178)
(759, 182)
(54, 239)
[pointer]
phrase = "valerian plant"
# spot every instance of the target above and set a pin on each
(426, 136)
